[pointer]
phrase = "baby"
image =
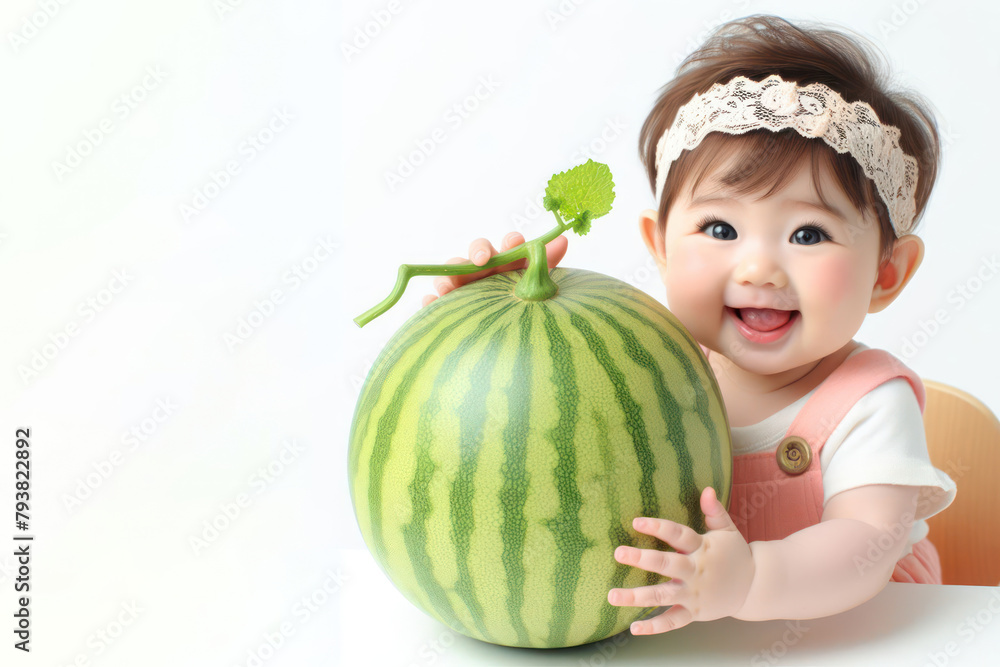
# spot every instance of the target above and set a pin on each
(788, 182)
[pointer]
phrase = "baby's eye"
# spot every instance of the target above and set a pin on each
(809, 236)
(718, 230)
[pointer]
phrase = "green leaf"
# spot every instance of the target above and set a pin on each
(581, 194)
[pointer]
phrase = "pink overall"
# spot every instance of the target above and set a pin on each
(779, 493)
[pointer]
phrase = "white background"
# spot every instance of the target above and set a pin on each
(114, 515)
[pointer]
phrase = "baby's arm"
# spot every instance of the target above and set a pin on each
(837, 564)
(833, 566)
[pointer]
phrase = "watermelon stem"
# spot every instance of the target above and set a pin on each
(537, 284)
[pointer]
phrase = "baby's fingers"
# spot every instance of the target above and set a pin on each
(676, 617)
(668, 563)
(481, 250)
(657, 595)
(512, 239)
(445, 284)
(682, 538)
(555, 250)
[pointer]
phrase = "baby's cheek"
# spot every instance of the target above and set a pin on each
(693, 258)
(835, 278)
(693, 292)
(689, 274)
(838, 283)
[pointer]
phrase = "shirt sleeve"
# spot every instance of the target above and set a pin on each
(881, 441)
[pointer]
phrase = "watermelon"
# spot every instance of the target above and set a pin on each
(501, 447)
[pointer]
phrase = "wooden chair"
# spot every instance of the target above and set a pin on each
(963, 438)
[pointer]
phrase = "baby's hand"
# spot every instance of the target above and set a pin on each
(481, 251)
(710, 574)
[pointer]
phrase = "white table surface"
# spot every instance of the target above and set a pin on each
(906, 624)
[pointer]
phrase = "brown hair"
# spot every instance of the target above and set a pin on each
(755, 47)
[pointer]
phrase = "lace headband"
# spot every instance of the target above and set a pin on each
(815, 110)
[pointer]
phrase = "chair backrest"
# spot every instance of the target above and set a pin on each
(963, 438)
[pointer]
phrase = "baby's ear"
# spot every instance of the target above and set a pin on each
(651, 237)
(907, 253)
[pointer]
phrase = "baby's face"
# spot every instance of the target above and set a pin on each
(775, 283)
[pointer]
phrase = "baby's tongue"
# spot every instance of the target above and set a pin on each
(764, 319)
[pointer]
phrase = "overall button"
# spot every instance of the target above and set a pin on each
(794, 455)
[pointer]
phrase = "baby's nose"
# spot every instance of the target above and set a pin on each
(760, 270)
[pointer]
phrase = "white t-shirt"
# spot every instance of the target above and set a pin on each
(880, 441)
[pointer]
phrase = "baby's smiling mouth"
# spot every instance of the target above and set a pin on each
(763, 319)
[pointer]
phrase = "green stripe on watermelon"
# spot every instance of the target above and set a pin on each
(699, 374)
(689, 493)
(415, 531)
(610, 618)
(400, 343)
(565, 526)
(472, 417)
(415, 550)
(630, 410)
(387, 423)
(516, 478)
(700, 378)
